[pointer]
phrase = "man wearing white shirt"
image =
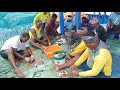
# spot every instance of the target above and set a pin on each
(17, 47)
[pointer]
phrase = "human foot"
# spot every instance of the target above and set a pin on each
(57, 67)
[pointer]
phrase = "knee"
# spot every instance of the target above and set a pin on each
(10, 52)
(26, 53)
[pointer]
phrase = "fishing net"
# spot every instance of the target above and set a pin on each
(114, 46)
(14, 23)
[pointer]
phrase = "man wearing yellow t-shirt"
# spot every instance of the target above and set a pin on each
(43, 16)
(37, 35)
(97, 56)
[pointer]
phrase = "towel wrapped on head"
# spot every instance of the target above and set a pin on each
(90, 39)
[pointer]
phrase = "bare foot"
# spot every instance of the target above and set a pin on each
(19, 74)
(57, 67)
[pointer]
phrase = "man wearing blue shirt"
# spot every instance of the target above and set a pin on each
(69, 26)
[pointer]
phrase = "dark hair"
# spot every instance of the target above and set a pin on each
(25, 34)
(69, 16)
(89, 33)
(87, 20)
(84, 18)
(54, 16)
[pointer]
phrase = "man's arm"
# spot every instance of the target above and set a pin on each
(74, 26)
(82, 58)
(44, 34)
(79, 49)
(99, 62)
(17, 54)
(56, 24)
(29, 50)
(65, 26)
(35, 35)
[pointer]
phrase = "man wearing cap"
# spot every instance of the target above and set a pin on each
(37, 35)
(97, 56)
(99, 29)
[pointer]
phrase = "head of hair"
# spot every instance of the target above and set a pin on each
(89, 33)
(84, 18)
(38, 21)
(54, 15)
(25, 35)
(69, 16)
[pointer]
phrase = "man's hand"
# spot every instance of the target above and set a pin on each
(73, 67)
(75, 73)
(58, 34)
(27, 59)
(32, 58)
(49, 43)
(85, 29)
(110, 24)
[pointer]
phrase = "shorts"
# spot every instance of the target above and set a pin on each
(4, 54)
(84, 67)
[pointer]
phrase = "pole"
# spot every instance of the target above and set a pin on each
(61, 23)
(77, 20)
